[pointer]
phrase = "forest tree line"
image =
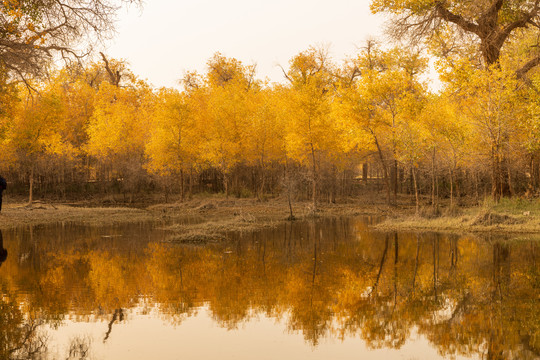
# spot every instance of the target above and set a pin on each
(327, 128)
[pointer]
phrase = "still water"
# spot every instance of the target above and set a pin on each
(327, 289)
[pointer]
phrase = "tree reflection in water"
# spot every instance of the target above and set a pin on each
(3, 251)
(329, 278)
(20, 337)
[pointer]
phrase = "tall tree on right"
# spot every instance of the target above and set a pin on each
(486, 32)
(487, 24)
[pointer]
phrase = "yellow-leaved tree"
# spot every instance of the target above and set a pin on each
(307, 100)
(225, 113)
(382, 102)
(35, 132)
(118, 131)
(174, 139)
(490, 100)
(265, 131)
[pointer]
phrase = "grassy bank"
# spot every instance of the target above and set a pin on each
(508, 216)
(202, 214)
(18, 214)
(209, 217)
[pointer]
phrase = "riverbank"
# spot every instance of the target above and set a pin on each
(508, 216)
(210, 217)
(201, 214)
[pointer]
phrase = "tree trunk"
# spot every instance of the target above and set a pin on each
(365, 172)
(334, 185)
(435, 265)
(289, 185)
(263, 180)
(451, 189)
(394, 173)
(314, 179)
(385, 171)
(413, 170)
(181, 185)
(433, 178)
(456, 183)
(532, 177)
(31, 186)
(496, 186)
(510, 184)
(416, 262)
(383, 259)
(226, 184)
(396, 253)
(190, 181)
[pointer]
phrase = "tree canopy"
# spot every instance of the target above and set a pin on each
(35, 32)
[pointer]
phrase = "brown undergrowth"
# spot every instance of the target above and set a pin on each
(508, 216)
(208, 214)
(209, 218)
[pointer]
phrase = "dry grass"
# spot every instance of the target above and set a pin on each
(16, 215)
(216, 230)
(209, 218)
(494, 218)
(217, 213)
(219, 217)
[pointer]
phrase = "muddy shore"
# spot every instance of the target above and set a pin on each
(209, 218)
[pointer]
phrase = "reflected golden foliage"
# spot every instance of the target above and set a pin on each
(466, 296)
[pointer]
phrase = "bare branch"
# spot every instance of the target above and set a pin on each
(529, 65)
(31, 37)
(114, 76)
(459, 20)
(285, 74)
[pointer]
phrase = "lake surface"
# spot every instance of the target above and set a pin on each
(326, 289)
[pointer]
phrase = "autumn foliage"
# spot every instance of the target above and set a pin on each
(328, 131)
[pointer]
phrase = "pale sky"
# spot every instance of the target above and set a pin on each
(168, 37)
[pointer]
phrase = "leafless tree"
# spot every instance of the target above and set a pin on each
(33, 33)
